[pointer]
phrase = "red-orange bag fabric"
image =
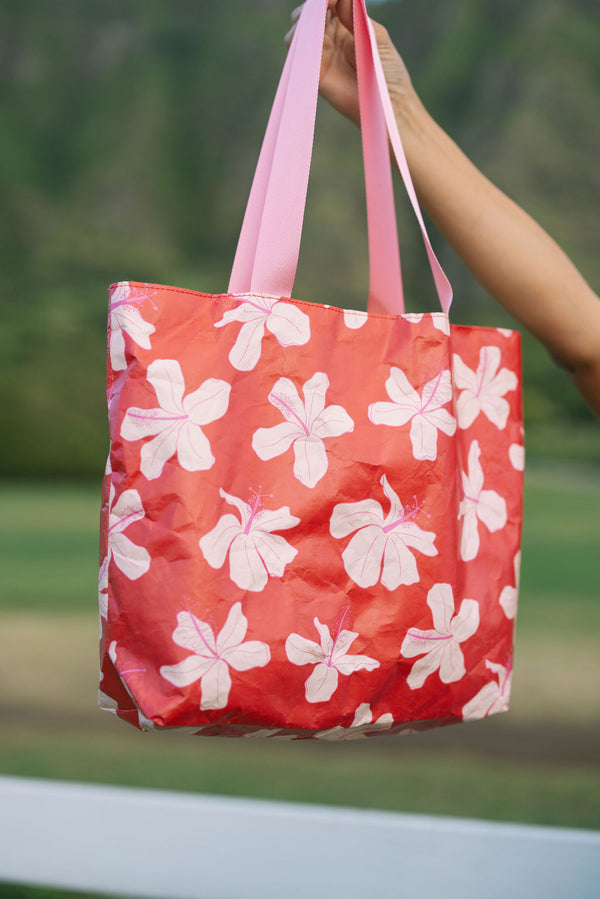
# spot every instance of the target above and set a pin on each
(312, 516)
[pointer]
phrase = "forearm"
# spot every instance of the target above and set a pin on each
(512, 257)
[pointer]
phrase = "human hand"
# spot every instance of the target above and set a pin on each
(338, 84)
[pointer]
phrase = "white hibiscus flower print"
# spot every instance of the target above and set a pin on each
(424, 410)
(307, 425)
(391, 540)
(510, 595)
(213, 657)
(131, 559)
(176, 424)
(125, 318)
(255, 553)
(330, 659)
(439, 320)
(483, 390)
(362, 726)
(355, 318)
(493, 697)
(103, 589)
(288, 324)
(478, 505)
(440, 647)
(516, 454)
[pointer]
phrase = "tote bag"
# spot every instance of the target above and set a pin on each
(311, 516)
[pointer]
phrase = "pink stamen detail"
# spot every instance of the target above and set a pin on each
(256, 506)
(423, 408)
(429, 639)
(248, 302)
(156, 417)
(409, 513)
(201, 635)
(134, 516)
(280, 399)
(131, 301)
(483, 372)
(116, 304)
(336, 638)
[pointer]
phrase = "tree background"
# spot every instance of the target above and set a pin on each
(129, 132)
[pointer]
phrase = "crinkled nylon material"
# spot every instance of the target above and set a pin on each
(292, 630)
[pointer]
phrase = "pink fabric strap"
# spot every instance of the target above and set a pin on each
(385, 279)
(362, 26)
(269, 245)
(243, 266)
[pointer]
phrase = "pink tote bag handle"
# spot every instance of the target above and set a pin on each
(267, 255)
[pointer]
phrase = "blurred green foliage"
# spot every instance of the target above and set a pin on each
(128, 138)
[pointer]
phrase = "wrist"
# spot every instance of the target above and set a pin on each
(411, 116)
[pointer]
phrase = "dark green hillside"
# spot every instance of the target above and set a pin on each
(128, 135)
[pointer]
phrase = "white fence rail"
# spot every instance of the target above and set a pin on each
(147, 843)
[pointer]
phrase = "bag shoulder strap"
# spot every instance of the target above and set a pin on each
(268, 248)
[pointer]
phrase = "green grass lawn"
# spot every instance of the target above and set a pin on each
(561, 536)
(538, 764)
(48, 546)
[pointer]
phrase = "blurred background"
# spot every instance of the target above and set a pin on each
(129, 131)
